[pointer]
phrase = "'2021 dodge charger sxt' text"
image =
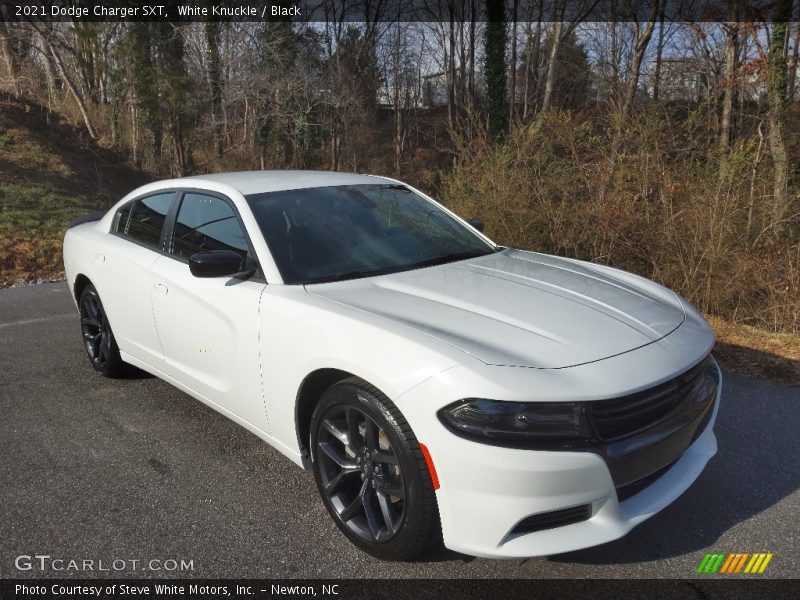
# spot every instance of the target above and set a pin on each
(517, 404)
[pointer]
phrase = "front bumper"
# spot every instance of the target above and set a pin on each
(487, 491)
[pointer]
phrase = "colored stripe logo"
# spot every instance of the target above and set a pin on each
(734, 562)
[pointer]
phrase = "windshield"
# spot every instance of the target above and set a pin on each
(344, 232)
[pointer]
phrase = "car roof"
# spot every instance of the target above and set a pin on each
(257, 182)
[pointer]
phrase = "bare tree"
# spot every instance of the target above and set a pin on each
(641, 41)
(659, 55)
(555, 44)
(446, 20)
(561, 30)
(471, 60)
(48, 39)
(402, 85)
(794, 62)
(776, 119)
(9, 55)
(213, 32)
(451, 65)
(512, 86)
(533, 46)
(731, 66)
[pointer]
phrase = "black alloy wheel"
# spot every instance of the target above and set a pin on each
(98, 339)
(371, 473)
(360, 474)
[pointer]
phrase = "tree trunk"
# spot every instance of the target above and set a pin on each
(398, 110)
(245, 127)
(537, 49)
(639, 49)
(398, 130)
(52, 82)
(180, 155)
(729, 95)
(794, 64)
(776, 118)
(9, 58)
(134, 131)
(614, 51)
(780, 161)
(144, 75)
(551, 67)
(79, 100)
(526, 61)
(335, 141)
(175, 80)
(532, 66)
(512, 91)
(451, 72)
(495, 70)
(659, 55)
(471, 84)
(213, 32)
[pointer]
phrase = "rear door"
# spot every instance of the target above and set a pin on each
(208, 327)
(125, 272)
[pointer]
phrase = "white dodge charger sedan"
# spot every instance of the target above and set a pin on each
(439, 386)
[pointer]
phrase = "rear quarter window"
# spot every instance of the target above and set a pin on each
(142, 220)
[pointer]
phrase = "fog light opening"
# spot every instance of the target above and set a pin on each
(552, 519)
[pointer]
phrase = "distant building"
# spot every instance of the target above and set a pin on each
(753, 86)
(434, 89)
(687, 80)
(681, 79)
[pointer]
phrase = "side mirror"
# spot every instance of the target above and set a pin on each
(476, 223)
(217, 263)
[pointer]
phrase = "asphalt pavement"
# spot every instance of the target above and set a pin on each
(134, 470)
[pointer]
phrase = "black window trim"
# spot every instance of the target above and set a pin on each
(167, 230)
(129, 205)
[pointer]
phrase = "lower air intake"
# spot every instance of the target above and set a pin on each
(553, 519)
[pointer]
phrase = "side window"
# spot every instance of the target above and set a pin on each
(206, 223)
(120, 223)
(143, 219)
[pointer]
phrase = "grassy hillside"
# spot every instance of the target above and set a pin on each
(50, 172)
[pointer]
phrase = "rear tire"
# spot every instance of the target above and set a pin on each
(98, 339)
(371, 474)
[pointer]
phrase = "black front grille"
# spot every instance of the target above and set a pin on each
(552, 519)
(620, 417)
(641, 434)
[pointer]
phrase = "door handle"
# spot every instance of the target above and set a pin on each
(161, 289)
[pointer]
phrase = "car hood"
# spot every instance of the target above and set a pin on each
(519, 308)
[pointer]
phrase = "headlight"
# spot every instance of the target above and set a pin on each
(519, 424)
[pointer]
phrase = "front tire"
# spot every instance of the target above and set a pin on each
(371, 474)
(98, 339)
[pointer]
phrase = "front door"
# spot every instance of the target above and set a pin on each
(208, 327)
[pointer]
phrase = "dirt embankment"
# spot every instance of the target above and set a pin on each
(50, 172)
